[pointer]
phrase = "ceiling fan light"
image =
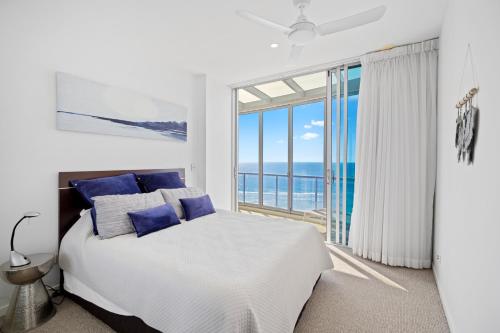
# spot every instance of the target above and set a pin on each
(301, 37)
(303, 33)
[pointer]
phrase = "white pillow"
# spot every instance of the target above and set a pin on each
(173, 195)
(111, 211)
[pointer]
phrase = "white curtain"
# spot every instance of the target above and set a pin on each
(396, 156)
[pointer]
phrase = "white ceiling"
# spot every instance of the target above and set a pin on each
(221, 44)
(206, 36)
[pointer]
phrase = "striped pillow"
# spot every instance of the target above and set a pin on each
(173, 195)
(111, 211)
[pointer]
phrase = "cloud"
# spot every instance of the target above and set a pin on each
(280, 141)
(309, 136)
(307, 126)
(319, 123)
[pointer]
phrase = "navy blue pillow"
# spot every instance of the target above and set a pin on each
(153, 181)
(153, 219)
(123, 184)
(197, 207)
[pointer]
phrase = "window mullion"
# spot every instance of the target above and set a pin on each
(261, 160)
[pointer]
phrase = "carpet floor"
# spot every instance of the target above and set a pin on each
(356, 296)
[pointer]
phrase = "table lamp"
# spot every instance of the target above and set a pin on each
(18, 259)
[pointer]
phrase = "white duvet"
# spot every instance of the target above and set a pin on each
(225, 272)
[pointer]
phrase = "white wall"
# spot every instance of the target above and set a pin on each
(198, 132)
(218, 143)
(38, 38)
(467, 217)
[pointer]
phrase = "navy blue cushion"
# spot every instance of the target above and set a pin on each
(152, 182)
(123, 184)
(89, 188)
(153, 219)
(197, 207)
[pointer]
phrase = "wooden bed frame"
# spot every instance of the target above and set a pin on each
(70, 206)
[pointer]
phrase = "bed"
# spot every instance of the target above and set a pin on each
(224, 272)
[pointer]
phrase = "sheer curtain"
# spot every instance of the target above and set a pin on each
(396, 156)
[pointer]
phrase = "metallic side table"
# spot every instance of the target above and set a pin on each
(30, 304)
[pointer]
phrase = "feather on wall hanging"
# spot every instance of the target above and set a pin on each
(467, 116)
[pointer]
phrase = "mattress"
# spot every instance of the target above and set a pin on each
(225, 272)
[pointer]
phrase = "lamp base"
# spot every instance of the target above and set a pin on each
(18, 259)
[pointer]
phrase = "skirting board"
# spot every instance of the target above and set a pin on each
(444, 303)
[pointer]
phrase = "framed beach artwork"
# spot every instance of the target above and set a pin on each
(88, 106)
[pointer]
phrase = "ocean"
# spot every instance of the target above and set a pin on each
(308, 190)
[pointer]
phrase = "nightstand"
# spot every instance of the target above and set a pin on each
(30, 304)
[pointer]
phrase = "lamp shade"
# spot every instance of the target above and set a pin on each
(18, 259)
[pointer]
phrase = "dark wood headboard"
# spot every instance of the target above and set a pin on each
(71, 203)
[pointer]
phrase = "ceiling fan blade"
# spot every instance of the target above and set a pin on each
(295, 53)
(353, 21)
(263, 21)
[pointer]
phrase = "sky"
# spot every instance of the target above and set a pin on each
(308, 133)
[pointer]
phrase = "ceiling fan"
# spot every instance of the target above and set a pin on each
(304, 31)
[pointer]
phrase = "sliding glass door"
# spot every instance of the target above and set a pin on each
(344, 84)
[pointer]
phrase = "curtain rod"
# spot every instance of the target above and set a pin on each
(400, 45)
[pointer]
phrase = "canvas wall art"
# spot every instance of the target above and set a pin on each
(88, 106)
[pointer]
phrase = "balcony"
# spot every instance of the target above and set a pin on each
(308, 206)
(307, 202)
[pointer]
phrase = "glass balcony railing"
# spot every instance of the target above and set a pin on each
(308, 193)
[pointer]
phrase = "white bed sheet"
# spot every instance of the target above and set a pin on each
(225, 272)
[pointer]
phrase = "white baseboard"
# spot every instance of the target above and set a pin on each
(444, 303)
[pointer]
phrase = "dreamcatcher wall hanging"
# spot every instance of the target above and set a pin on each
(467, 116)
